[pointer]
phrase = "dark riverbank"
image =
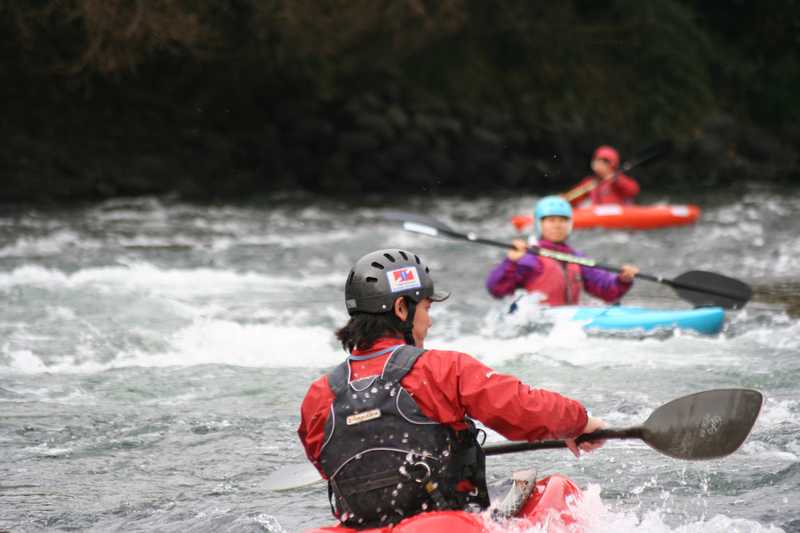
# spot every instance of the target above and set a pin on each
(386, 96)
(373, 143)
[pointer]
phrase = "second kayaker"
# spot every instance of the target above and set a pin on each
(607, 185)
(391, 427)
(558, 283)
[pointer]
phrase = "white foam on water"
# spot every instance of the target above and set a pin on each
(775, 414)
(766, 453)
(59, 313)
(128, 208)
(33, 275)
(489, 351)
(252, 345)
(242, 236)
(44, 450)
(301, 239)
(593, 515)
(140, 276)
(788, 339)
(208, 341)
(568, 343)
(24, 361)
(164, 241)
(564, 343)
(48, 245)
(653, 522)
(551, 334)
(269, 523)
(27, 362)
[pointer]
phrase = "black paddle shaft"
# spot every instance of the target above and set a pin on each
(703, 425)
(702, 288)
(512, 447)
(655, 151)
(698, 287)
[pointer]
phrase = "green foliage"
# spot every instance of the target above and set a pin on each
(653, 68)
(755, 65)
(609, 65)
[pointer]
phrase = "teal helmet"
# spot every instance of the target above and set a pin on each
(550, 206)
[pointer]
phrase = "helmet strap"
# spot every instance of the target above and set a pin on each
(408, 323)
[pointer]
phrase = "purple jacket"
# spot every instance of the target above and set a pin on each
(509, 276)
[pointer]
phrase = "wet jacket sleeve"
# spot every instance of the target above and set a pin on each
(447, 385)
(625, 186)
(510, 275)
(603, 284)
(314, 413)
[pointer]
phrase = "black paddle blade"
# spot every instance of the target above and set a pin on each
(705, 425)
(704, 289)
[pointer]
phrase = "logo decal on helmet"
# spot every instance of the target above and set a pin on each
(402, 279)
(379, 277)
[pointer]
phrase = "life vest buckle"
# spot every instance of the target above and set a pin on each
(421, 467)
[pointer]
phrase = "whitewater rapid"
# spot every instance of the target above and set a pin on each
(153, 355)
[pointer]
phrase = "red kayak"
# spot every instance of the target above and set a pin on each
(614, 216)
(547, 506)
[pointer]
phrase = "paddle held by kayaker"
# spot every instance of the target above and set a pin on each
(391, 428)
(607, 185)
(558, 282)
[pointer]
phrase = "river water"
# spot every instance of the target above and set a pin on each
(153, 355)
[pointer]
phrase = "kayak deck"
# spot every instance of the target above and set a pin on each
(635, 216)
(613, 216)
(550, 504)
(706, 320)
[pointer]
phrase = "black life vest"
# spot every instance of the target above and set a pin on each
(385, 460)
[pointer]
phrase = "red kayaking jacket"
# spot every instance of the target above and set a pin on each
(448, 386)
(620, 190)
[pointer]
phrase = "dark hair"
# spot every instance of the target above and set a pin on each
(363, 329)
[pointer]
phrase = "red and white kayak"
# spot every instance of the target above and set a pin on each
(549, 506)
(613, 216)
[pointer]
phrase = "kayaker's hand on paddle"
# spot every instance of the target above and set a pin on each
(519, 250)
(592, 425)
(628, 272)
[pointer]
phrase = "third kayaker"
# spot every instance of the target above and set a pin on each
(558, 282)
(391, 427)
(607, 185)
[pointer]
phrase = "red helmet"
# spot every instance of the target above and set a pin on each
(608, 153)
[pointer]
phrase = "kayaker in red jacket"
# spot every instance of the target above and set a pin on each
(606, 185)
(558, 282)
(391, 427)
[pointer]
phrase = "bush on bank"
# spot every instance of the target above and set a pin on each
(224, 98)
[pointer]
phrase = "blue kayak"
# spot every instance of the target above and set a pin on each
(707, 320)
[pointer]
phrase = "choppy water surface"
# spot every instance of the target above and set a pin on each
(153, 356)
